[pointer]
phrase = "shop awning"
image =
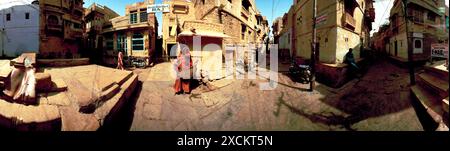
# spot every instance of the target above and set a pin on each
(204, 33)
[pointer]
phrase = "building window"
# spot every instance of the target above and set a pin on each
(180, 9)
(27, 15)
(349, 6)
(246, 4)
(76, 26)
(289, 39)
(53, 20)
(122, 42)
(417, 15)
(431, 17)
(138, 41)
(417, 44)
(143, 17)
(133, 18)
(109, 42)
(243, 30)
(8, 17)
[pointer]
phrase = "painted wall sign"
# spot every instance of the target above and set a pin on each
(439, 50)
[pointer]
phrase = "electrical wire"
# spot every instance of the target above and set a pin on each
(379, 23)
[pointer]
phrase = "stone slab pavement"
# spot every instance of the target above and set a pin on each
(379, 101)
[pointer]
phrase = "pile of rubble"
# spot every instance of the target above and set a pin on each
(60, 98)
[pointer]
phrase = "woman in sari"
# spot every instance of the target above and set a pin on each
(184, 66)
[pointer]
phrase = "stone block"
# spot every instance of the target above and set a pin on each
(109, 93)
(58, 85)
(112, 105)
(58, 98)
(5, 70)
(43, 82)
(72, 120)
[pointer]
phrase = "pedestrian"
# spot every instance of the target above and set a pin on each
(120, 61)
(350, 60)
(184, 73)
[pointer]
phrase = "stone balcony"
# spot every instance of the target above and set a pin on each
(348, 21)
(370, 13)
(54, 27)
(245, 13)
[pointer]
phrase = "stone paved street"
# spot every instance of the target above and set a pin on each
(378, 101)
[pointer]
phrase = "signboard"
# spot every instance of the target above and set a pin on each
(439, 50)
(321, 19)
(157, 8)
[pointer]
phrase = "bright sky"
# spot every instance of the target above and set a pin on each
(382, 11)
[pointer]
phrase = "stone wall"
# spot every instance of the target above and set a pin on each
(232, 28)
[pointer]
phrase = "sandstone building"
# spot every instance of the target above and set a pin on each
(96, 17)
(133, 34)
(61, 28)
(221, 22)
(340, 24)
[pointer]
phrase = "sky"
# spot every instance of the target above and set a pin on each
(382, 11)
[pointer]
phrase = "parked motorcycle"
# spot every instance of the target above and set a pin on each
(299, 72)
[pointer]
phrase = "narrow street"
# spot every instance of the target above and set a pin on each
(379, 101)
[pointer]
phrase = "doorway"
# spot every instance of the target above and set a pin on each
(396, 48)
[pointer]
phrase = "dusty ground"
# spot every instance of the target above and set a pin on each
(378, 101)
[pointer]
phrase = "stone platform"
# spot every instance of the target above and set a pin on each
(93, 94)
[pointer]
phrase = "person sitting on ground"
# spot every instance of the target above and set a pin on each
(350, 60)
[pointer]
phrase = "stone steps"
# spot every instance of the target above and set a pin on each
(438, 72)
(109, 85)
(72, 120)
(112, 106)
(115, 97)
(430, 102)
(434, 81)
(437, 85)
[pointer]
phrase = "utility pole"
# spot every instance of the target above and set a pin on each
(412, 77)
(313, 50)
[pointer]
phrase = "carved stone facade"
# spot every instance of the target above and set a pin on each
(96, 17)
(242, 22)
(61, 28)
(133, 34)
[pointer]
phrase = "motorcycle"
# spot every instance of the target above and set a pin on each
(299, 72)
